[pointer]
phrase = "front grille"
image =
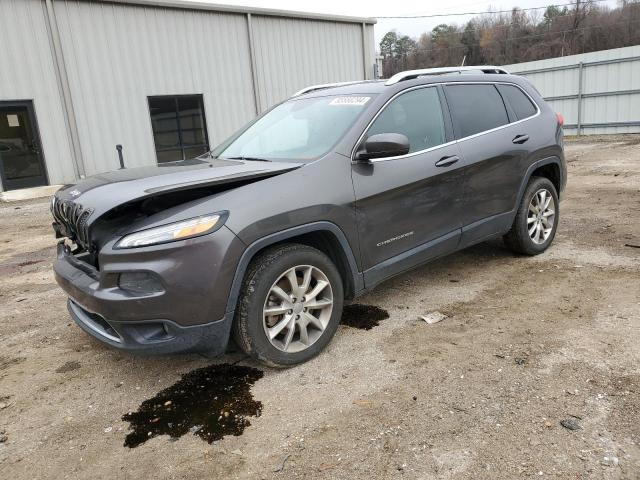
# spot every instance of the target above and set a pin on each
(73, 217)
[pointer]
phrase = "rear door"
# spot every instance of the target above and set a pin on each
(408, 208)
(493, 159)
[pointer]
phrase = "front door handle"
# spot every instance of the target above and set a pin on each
(446, 161)
(520, 138)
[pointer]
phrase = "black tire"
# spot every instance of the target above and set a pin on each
(518, 239)
(248, 327)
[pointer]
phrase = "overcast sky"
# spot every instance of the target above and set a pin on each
(411, 27)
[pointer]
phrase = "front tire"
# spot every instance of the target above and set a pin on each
(536, 221)
(290, 305)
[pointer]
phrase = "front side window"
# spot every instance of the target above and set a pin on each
(299, 129)
(522, 106)
(417, 115)
(475, 108)
(179, 127)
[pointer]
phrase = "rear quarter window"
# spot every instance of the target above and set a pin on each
(520, 103)
(475, 108)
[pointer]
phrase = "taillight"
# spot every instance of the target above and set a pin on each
(560, 119)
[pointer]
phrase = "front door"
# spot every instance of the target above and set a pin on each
(409, 207)
(21, 162)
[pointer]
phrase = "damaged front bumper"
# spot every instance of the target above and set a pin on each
(154, 337)
(183, 309)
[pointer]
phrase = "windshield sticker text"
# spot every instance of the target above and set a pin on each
(349, 101)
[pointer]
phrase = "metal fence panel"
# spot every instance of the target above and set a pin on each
(597, 92)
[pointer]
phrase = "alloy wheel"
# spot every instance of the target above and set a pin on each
(297, 308)
(541, 216)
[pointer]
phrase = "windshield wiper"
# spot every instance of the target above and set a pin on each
(254, 159)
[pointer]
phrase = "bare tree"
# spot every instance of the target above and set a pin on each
(517, 36)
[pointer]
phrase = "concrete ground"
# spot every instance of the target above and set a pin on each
(528, 343)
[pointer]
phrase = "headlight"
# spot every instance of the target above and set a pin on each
(169, 233)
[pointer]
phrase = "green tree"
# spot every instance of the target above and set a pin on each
(388, 44)
(552, 12)
(471, 41)
(405, 46)
(441, 33)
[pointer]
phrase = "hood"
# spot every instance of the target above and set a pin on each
(105, 191)
(76, 207)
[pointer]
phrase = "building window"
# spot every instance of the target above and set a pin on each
(179, 127)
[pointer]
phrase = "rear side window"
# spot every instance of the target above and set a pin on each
(476, 108)
(520, 103)
(416, 114)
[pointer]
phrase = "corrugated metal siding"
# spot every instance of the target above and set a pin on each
(596, 79)
(118, 55)
(27, 73)
(294, 53)
(370, 50)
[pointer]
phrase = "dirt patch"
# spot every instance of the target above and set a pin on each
(6, 362)
(528, 342)
(68, 367)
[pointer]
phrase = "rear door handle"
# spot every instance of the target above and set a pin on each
(520, 138)
(446, 161)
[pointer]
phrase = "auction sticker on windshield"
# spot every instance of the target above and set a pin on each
(349, 101)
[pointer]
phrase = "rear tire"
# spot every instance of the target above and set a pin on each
(536, 221)
(282, 324)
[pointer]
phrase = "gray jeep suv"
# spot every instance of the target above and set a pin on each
(316, 201)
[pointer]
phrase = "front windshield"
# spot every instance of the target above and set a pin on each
(302, 129)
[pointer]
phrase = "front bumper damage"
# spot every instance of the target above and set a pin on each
(153, 337)
(187, 314)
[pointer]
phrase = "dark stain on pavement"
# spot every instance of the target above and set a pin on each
(364, 317)
(210, 402)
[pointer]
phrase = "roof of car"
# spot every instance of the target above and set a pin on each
(380, 86)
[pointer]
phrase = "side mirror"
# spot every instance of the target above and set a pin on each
(383, 145)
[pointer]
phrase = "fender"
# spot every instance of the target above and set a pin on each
(322, 226)
(527, 176)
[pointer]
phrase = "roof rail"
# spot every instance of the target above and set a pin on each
(322, 86)
(410, 74)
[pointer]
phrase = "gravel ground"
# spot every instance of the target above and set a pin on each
(528, 343)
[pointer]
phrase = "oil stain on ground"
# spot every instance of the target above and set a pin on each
(363, 316)
(210, 402)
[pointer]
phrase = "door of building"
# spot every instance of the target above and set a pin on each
(21, 159)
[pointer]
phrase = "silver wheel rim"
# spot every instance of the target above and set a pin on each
(541, 216)
(297, 309)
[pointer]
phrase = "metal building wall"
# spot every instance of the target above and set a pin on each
(108, 56)
(293, 53)
(370, 50)
(600, 91)
(118, 55)
(27, 72)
